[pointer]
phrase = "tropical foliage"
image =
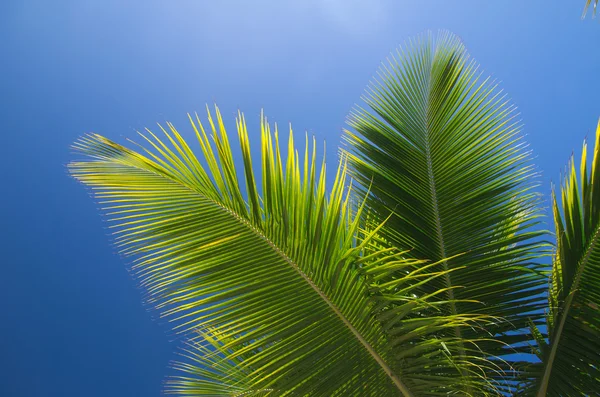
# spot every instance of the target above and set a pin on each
(421, 271)
(444, 155)
(570, 357)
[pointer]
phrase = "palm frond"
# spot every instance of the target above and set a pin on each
(572, 354)
(441, 151)
(280, 278)
(588, 3)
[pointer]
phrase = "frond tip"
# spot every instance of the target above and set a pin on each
(588, 3)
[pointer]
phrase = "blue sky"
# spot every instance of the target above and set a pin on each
(72, 322)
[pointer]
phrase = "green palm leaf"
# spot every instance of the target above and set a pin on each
(440, 149)
(572, 355)
(295, 292)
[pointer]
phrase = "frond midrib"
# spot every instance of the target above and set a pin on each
(437, 216)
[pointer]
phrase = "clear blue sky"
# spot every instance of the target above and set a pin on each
(72, 322)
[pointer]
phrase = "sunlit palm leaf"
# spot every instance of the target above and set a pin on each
(441, 150)
(280, 279)
(572, 357)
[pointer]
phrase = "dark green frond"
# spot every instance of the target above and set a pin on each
(441, 150)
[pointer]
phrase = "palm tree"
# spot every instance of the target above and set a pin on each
(428, 275)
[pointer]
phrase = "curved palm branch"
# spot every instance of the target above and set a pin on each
(572, 354)
(441, 151)
(294, 290)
